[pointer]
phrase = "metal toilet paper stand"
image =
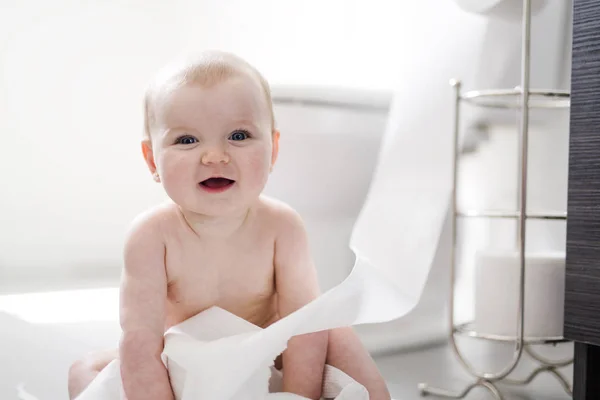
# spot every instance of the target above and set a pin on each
(522, 98)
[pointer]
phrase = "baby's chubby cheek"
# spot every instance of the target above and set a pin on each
(256, 168)
(175, 170)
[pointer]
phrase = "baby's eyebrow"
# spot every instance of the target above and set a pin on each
(247, 122)
(177, 129)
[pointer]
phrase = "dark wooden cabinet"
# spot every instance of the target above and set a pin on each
(582, 284)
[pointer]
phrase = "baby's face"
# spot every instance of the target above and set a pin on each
(213, 146)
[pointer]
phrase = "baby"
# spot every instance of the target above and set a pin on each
(210, 140)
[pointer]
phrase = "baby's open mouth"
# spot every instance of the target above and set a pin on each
(217, 183)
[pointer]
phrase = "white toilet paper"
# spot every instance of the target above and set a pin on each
(497, 294)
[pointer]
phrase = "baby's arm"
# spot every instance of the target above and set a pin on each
(143, 303)
(297, 285)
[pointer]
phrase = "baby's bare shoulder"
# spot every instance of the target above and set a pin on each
(281, 217)
(154, 221)
(279, 212)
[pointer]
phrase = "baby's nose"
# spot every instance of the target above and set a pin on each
(215, 156)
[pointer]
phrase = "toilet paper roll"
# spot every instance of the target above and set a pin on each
(497, 294)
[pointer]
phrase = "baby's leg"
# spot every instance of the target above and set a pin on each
(83, 371)
(347, 353)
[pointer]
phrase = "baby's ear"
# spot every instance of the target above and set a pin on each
(275, 152)
(149, 157)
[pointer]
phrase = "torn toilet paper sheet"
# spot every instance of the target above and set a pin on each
(216, 355)
(191, 337)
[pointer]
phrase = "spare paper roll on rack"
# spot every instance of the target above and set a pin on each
(496, 294)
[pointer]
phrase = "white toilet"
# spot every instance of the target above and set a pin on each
(329, 146)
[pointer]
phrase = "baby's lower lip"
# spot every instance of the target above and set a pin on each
(216, 188)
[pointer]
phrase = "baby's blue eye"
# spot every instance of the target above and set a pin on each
(186, 140)
(239, 135)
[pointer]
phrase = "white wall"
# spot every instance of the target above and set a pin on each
(72, 74)
(71, 80)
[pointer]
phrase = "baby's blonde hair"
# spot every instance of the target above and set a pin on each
(206, 69)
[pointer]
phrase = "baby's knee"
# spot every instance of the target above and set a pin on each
(85, 369)
(79, 367)
(95, 361)
(78, 376)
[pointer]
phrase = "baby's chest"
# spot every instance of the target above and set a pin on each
(217, 272)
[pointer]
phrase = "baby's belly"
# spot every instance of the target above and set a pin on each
(260, 310)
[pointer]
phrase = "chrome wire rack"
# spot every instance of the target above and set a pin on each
(521, 98)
